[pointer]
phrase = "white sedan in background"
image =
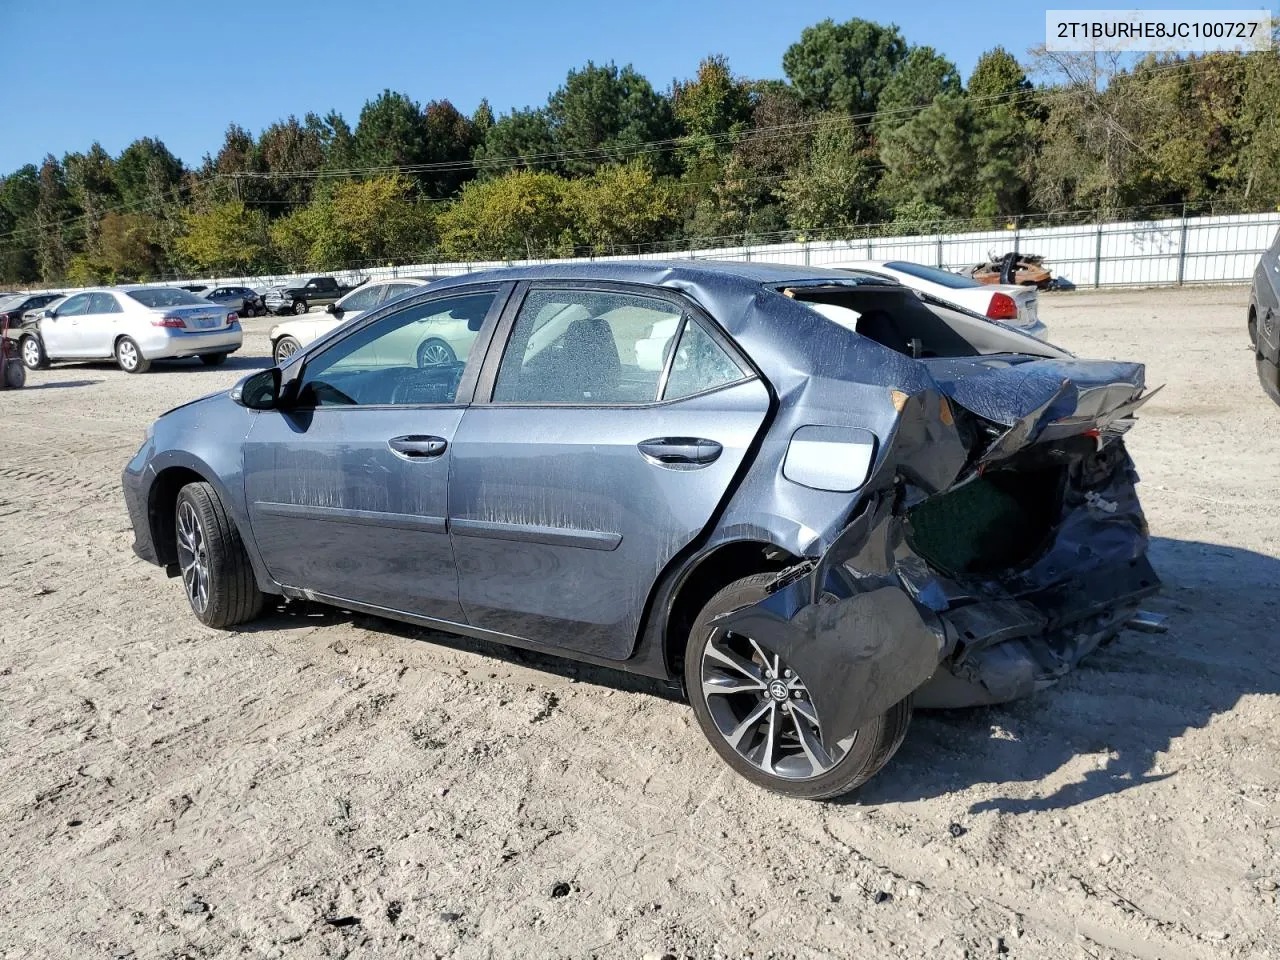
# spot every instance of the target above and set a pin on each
(1016, 306)
(289, 337)
(133, 326)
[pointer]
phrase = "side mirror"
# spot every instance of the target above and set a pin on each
(258, 391)
(334, 309)
(46, 314)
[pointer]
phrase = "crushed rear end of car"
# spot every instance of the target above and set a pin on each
(998, 541)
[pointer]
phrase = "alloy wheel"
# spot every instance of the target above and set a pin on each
(286, 348)
(193, 556)
(434, 352)
(31, 352)
(763, 709)
(127, 354)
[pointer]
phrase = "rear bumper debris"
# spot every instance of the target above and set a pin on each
(879, 617)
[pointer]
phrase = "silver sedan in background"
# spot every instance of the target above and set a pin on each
(133, 326)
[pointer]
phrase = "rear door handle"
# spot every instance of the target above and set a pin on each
(418, 448)
(680, 450)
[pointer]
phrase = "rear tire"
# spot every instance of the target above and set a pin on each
(33, 355)
(213, 359)
(216, 574)
(129, 356)
(301, 306)
(869, 750)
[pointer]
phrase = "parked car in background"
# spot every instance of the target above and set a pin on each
(1014, 305)
(243, 300)
(809, 523)
(199, 289)
(318, 291)
(1264, 319)
(292, 335)
(15, 307)
(32, 315)
(133, 326)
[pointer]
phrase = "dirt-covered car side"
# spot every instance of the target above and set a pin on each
(1264, 319)
(824, 502)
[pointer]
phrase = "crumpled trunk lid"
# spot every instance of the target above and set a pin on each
(1005, 441)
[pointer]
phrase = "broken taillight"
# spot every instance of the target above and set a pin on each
(170, 321)
(1002, 307)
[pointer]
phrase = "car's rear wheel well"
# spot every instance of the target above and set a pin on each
(714, 572)
(161, 505)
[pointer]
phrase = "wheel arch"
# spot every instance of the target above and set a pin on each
(705, 576)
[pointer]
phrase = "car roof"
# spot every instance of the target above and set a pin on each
(665, 273)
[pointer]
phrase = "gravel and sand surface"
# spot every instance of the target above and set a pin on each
(324, 785)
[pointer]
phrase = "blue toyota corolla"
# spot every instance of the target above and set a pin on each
(813, 498)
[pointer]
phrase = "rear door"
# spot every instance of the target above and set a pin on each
(585, 470)
(100, 325)
(348, 489)
(1266, 290)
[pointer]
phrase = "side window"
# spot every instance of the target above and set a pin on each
(699, 364)
(365, 299)
(586, 346)
(75, 306)
(412, 357)
(103, 303)
(396, 289)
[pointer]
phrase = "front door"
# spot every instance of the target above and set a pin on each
(348, 488)
(617, 422)
(61, 333)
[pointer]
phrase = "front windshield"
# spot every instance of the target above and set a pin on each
(167, 297)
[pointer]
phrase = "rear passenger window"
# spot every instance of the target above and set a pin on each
(103, 303)
(700, 364)
(587, 346)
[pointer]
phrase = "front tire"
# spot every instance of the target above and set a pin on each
(285, 348)
(15, 374)
(216, 574)
(33, 355)
(770, 736)
(129, 356)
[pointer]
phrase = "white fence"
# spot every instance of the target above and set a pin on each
(1139, 253)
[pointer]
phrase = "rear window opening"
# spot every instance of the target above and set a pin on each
(897, 318)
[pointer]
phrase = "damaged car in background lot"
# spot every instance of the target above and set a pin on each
(828, 503)
(1264, 319)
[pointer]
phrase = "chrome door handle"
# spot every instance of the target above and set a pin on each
(415, 447)
(680, 450)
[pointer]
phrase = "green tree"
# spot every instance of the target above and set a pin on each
(918, 80)
(19, 199)
(525, 213)
(53, 211)
(844, 66)
(602, 115)
(834, 187)
(377, 220)
(129, 248)
(227, 238)
(930, 158)
(92, 188)
(521, 136)
(451, 139)
(622, 205)
(291, 152)
(712, 109)
(147, 174)
(997, 75)
(391, 132)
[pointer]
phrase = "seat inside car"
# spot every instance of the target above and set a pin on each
(582, 365)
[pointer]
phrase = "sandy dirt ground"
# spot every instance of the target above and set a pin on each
(329, 786)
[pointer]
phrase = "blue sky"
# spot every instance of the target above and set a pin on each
(85, 70)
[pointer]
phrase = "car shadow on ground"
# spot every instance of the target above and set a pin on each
(61, 383)
(1122, 707)
(172, 366)
(297, 613)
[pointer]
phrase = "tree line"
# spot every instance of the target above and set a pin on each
(866, 129)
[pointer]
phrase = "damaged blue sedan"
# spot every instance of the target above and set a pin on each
(815, 499)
